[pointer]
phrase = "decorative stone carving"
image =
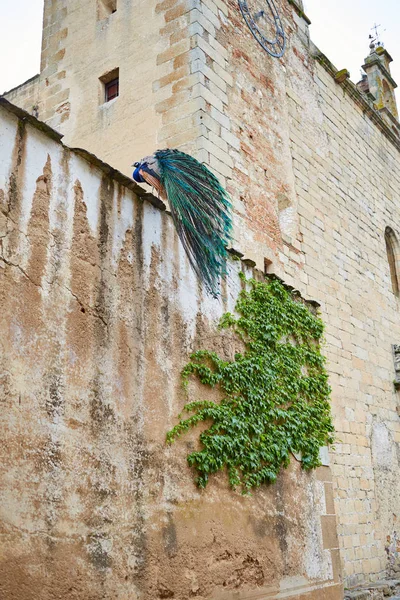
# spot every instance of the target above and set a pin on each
(396, 360)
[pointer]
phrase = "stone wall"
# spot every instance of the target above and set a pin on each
(81, 44)
(100, 311)
(348, 188)
(313, 173)
(27, 95)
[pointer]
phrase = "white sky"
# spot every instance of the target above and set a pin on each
(340, 29)
(20, 41)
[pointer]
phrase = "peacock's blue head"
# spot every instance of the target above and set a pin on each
(136, 173)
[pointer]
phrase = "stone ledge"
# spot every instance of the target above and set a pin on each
(380, 590)
(21, 85)
(360, 595)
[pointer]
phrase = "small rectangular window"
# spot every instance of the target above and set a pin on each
(105, 8)
(112, 90)
(110, 86)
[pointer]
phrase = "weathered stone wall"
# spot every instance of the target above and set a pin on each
(100, 311)
(80, 45)
(348, 184)
(27, 95)
(316, 171)
(313, 173)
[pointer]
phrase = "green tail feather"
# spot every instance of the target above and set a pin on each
(201, 211)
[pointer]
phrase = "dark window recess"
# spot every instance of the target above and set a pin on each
(109, 86)
(112, 89)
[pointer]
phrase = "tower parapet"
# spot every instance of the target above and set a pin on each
(379, 82)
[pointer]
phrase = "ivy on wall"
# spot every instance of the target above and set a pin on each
(275, 394)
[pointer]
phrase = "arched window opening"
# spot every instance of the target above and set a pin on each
(392, 249)
(387, 94)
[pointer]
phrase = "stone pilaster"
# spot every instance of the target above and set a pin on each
(194, 106)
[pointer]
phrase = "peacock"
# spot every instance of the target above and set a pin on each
(200, 208)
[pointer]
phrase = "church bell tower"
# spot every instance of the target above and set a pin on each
(379, 82)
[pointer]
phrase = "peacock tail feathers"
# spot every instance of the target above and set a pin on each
(201, 211)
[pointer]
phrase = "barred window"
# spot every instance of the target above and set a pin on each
(110, 86)
(112, 89)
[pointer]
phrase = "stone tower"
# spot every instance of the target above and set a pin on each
(379, 82)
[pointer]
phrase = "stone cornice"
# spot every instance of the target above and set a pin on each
(21, 85)
(351, 89)
(300, 11)
(383, 52)
(378, 62)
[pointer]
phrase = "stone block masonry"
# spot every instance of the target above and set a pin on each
(27, 95)
(346, 199)
(194, 108)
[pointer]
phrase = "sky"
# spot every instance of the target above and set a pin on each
(340, 29)
(20, 41)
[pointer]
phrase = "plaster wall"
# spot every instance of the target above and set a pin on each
(100, 311)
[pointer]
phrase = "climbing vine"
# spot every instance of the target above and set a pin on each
(275, 393)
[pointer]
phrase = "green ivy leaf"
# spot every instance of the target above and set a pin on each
(275, 394)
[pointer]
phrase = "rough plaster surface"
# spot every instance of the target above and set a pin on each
(99, 313)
